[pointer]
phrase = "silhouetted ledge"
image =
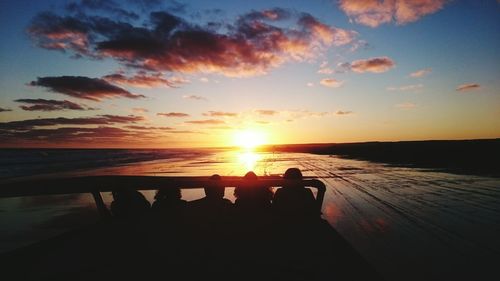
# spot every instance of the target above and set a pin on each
(474, 157)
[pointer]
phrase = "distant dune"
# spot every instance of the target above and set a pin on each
(476, 157)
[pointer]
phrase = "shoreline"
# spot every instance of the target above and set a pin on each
(467, 157)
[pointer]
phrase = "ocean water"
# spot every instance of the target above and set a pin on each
(410, 224)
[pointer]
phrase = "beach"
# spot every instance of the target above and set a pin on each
(402, 220)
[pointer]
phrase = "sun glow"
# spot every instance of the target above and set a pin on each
(248, 160)
(249, 139)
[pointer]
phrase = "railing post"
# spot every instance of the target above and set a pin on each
(101, 207)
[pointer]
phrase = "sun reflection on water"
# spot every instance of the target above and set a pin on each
(248, 159)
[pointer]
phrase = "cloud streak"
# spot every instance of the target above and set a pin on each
(173, 114)
(206, 122)
(341, 112)
(81, 87)
(374, 65)
(220, 114)
(468, 87)
(141, 80)
(406, 88)
(50, 105)
(267, 112)
(375, 12)
(193, 97)
(421, 73)
(44, 122)
(406, 105)
(331, 83)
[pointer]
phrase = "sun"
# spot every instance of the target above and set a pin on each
(249, 139)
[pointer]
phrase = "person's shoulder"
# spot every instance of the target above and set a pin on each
(227, 201)
(307, 190)
(197, 202)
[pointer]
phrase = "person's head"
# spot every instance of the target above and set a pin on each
(123, 193)
(171, 193)
(250, 176)
(214, 190)
(251, 192)
(292, 174)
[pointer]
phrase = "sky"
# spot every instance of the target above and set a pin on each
(161, 74)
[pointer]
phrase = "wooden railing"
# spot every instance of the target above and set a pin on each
(97, 184)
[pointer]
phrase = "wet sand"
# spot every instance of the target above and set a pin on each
(410, 224)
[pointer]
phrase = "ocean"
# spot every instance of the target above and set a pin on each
(411, 224)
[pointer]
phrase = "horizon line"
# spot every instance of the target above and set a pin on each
(258, 147)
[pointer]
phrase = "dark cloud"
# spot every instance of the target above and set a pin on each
(206, 122)
(134, 127)
(77, 132)
(44, 122)
(109, 6)
(250, 46)
(173, 114)
(83, 87)
(220, 114)
(73, 135)
(53, 32)
(50, 105)
(274, 14)
(5, 109)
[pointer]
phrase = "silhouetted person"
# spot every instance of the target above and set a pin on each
(293, 199)
(214, 196)
(252, 197)
(213, 208)
(128, 202)
(168, 202)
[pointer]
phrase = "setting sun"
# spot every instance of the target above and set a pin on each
(249, 139)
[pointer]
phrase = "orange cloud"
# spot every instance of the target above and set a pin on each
(375, 12)
(468, 87)
(268, 112)
(206, 122)
(325, 70)
(220, 114)
(141, 80)
(421, 73)
(330, 82)
(374, 65)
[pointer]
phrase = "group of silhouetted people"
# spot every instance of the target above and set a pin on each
(293, 199)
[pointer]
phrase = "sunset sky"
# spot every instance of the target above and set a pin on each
(151, 73)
